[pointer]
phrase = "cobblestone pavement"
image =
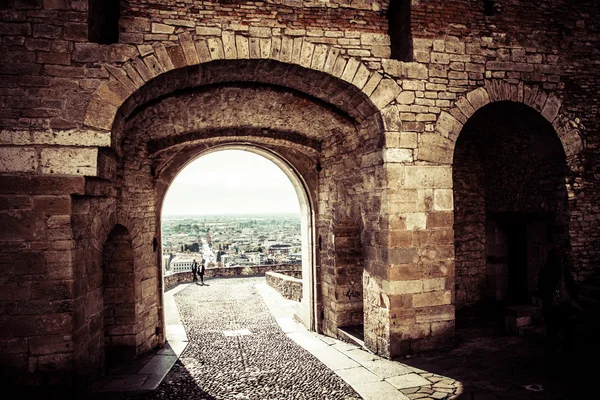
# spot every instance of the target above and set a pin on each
(237, 351)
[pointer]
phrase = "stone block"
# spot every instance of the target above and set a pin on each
(215, 47)
(433, 298)
(163, 56)
(421, 177)
(445, 328)
(374, 39)
(69, 161)
(402, 255)
(405, 332)
(372, 83)
(15, 290)
(350, 69)
(386, 91)
(403, 272)
(414, 221)
(398, 156)
(265, 48)
(435, 314)
(204, 52)
(413, 70)
(41, 185)
(478, 98)
(406, 97)
(441, 219)
(55, 362)
(275, 48)
(18, 159)
(443, 200)
(434, 284)
(241, 43)
(189, 48)
(229, 45)
(435, 148)
(287, 45)
(448, 126)
(402, 287)
(319, 57)
(551, 108)
(465, 107)
(208, 31)
(440, 58)
(162, 28)
(297, 51)
(392, 67)
(361, 77)
(43, 345)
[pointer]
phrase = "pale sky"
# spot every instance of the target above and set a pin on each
(231, 182)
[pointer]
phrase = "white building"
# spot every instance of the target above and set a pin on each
(183, 262)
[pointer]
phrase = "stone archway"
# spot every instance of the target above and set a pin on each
(510, 202)
(307, 311)
(439, 146)
(326, 128)
(325, 61)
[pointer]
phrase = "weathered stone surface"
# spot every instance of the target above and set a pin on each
(81, 161)
(18, 159)
(386, 91)
(428, 177)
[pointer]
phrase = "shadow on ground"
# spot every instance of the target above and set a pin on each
(493, 365)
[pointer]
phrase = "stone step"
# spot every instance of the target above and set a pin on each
(352, 334)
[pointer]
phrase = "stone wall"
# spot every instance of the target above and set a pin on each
(172, 280)
(288, 286)
(91, 135)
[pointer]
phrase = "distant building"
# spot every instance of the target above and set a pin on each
(183, 262)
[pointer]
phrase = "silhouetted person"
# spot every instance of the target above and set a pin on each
(195, 270)
(201, 271)
(559, 308)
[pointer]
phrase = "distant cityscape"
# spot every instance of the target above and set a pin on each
(230, 240)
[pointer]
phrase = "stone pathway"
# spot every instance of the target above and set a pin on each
(245, 344)
(237, 351)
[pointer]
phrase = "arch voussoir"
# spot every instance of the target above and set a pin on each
(194, 50)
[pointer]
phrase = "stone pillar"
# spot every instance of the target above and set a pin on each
(420, 258)
(38, 286)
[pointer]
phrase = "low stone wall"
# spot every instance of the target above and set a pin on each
(288, 283)
(170, 281)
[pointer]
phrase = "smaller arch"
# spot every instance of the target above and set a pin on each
(509, 188)
(439, 147)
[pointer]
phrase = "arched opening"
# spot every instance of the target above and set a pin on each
(400, 30)
(511, 206)
(119, 298)
(327, 142)
(230, 248)
(103, 21)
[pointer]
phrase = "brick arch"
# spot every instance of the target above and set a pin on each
(439, 147)
(316, 69)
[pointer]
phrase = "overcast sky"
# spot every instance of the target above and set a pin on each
(231, 182)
